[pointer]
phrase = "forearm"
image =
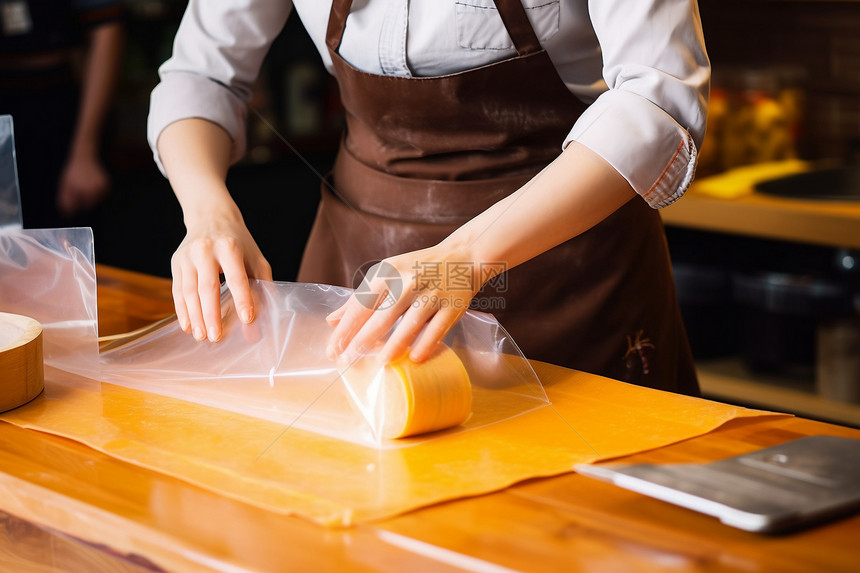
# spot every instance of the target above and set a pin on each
(575, 192)
(101, 73)
(196, 157)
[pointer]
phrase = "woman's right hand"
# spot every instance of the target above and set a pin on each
(218, 245)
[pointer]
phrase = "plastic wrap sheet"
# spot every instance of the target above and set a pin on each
(335, 482)
(10, 200)
(276, 368)
(49, 275)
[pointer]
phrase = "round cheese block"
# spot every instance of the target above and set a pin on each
(426, 397)
(22, 374)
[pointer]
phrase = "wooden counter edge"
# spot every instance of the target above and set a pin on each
(826, 223)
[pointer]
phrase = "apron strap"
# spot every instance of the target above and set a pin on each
(518, 26)
(512, 12)
(337, 23)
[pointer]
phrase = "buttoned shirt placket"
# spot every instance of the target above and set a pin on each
(392, 40)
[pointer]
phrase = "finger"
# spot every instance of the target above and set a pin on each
(260, 269)
(377, 325)
(437, 328)
(353, 319)
(179, 299)
(209, 292)
(252, 333)
(192, 302)
(334, 318)
(237, 282)
(355, 315)
(415, 319)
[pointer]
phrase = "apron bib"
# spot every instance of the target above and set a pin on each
(421, 156)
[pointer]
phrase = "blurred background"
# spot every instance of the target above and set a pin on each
(786, 83)
(769, 295)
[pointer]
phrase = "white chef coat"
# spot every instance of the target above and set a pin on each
(640, 64)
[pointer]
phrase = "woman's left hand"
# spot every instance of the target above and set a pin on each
(427, 290)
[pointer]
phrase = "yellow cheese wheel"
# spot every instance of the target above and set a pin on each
(22, 374)
(426, 397)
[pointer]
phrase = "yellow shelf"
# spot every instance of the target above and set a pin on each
(729, 381)
(727, 203)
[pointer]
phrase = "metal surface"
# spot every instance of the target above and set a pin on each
(787, 486)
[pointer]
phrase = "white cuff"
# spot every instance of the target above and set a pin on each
(642, 142)
(183, 95)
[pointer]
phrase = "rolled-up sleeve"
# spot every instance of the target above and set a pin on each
(649, 123)
(217, 54)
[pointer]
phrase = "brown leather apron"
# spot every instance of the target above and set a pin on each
(421, 156)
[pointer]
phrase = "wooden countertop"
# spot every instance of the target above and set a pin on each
(827, 223)
(64, 506)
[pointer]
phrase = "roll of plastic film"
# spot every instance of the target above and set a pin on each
(22, 374)
(426, 397)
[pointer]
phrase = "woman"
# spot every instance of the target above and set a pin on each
(451, 170)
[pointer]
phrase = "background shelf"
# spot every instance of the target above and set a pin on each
(728, 380)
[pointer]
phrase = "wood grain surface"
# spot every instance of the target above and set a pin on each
(70, 508)
(22, 373)
(27, 548)
(129, 300)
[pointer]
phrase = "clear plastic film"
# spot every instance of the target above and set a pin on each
(10, 200)
(49, 275)
(277, 369)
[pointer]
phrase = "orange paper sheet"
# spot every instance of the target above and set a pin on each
(333, 482)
